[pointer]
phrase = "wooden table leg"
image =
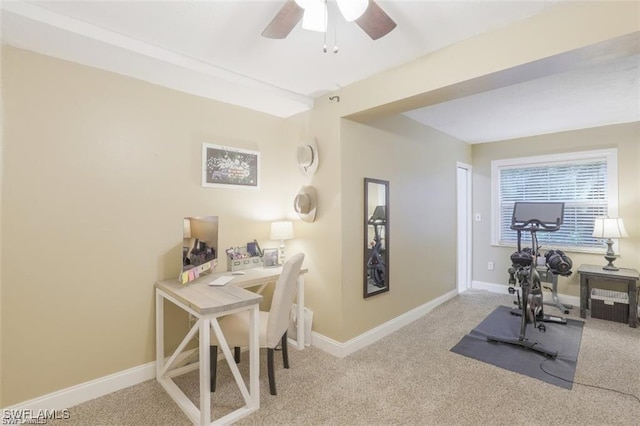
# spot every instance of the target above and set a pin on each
(633, 304)
(584, 295)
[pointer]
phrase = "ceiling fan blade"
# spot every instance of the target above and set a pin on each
(375, 22)
(284, 21)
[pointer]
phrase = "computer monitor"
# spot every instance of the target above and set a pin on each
(199, 247)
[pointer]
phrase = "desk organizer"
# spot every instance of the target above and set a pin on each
(246, 263)
(610, 305)
(240, 258)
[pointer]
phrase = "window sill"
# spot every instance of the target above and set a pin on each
(564, 249)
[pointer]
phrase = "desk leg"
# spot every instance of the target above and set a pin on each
(252, 401)
(254, 357)
(205, 365)
(584, 294)
(301, 323)
(633, 304)
(159, 334)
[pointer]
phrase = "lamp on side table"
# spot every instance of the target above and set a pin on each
(608, 228)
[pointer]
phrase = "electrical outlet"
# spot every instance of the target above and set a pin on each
(490, 266)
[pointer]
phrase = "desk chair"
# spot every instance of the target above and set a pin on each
(273, 324)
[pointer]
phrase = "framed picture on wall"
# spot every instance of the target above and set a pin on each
(270, 256)
(225, 167)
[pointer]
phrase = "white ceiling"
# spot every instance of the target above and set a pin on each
(596, 95)
(214, 49)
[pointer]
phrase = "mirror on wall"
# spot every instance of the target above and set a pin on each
(199, 246)
(376, 236)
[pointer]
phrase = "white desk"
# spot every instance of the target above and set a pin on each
(207, 303)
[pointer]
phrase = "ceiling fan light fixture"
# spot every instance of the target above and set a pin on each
(315, 17)
(352, 9)
(304, 3)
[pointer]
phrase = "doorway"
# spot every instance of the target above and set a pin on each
(463, 185)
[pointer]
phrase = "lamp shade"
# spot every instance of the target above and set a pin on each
(282, 230)
(186, 228)
(609, 227)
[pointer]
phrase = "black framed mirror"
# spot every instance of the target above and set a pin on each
(376, 236)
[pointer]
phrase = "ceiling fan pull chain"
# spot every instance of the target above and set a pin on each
(335, 39)
(324, 47)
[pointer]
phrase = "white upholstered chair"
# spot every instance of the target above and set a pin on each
(273, 324)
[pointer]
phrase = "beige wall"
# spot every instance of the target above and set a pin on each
(99, 172)
(624, 137)
(89, 156)
(321, 239)
(420, 165)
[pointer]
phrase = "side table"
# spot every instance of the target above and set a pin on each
(627, 276)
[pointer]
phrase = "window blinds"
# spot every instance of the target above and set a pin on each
(580, 184)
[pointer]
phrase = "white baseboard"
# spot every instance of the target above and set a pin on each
(74, 395)
(87, 391)
(501, 288)
(341, 350)
(493, 288)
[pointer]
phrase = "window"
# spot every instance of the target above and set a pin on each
(587, 182)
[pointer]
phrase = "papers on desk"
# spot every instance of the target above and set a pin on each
(221, 281)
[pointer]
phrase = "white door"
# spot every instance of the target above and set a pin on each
(463, 181)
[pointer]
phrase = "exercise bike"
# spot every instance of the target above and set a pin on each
(532, 218)
(376, 268)
(524, 267)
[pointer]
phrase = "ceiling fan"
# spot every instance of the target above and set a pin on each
(366, 13)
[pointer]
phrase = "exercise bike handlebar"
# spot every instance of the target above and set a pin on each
(537, 225)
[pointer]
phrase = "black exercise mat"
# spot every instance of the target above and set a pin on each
(565, 339)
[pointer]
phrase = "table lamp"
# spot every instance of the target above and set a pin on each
(609, 227)
(282, 230)
(186, 228)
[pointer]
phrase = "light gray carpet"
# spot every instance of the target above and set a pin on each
(410, 378)
(564, 339)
